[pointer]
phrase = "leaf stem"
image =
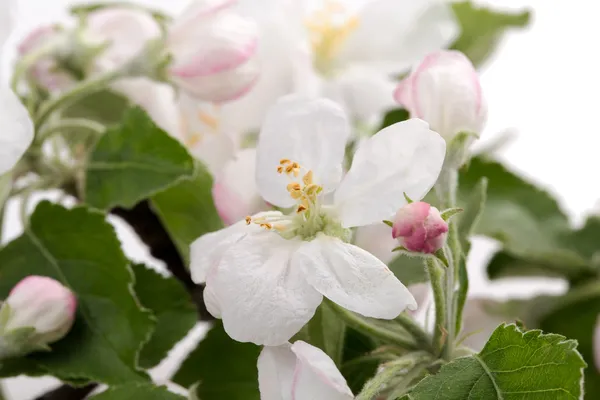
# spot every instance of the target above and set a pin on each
(435, 278)
(422, 337)
(449, 292)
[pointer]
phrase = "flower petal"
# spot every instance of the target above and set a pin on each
(234, 192)
(17, 130)
(353, 278)
(6, 20)
(403, 158)
(412, 29)
(207, 250)
(310, 132)
(275, 372)
(376, 239)
(316, 376)
(262, 299)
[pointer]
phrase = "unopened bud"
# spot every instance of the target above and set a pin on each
(420, 228)
(214, 51)
(37, 312)
(444, 90)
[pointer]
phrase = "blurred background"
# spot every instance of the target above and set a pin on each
(542, 86)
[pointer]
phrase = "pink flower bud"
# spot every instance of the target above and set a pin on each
(444, 90)
(419, 227)
(43, 304)
(45, 71)
(214, 51)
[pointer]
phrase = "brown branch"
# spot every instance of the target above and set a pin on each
(66, 392)
(151, 231)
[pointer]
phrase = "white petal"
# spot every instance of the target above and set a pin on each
(408, 30)
(262, 299)
(6, 20)
(207, 250)
(235, 192)
(403, 158)
(276, 372)
(353, 278)
(316, 376)
(212, 301)
(310, 132)
(17, 129)
(376, 239)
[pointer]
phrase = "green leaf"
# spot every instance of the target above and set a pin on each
(512, 365)
(81, 250)
(482, 29)
(358, 364)
(326, 331)
(226, 369)
(575, 315)
(171, 304)
(139, 391)
(526, 219)
(106, 107)
(187, 210)
(5, 188)
(473, 210)
(409, 270)
(584, 241)
(133, 161)
(394, 116)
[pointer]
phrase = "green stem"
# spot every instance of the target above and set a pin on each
(449, 292)
(390, 370)
(422, 337)
(362, 325)
(435, 277)
(25, 63)
(85, 88)
(66, 124)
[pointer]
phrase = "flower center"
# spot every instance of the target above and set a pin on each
(329, 27)
(310, 216)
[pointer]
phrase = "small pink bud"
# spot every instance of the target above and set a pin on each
(444, 91)
(214, 51)
(45, 71)
(41, 303)
(419, 227)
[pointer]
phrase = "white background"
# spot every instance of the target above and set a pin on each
(544, 83)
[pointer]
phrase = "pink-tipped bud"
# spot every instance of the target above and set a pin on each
(420, 228)
(46, 70)
(214, 51)
(37, 312)
(444, 91)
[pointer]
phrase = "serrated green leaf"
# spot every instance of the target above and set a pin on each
(133, 161)
(187, 210)
(513, 365)
(106, 107)
(482, 28)
(81, 250)
(575, 315)
(136, 391)
(224, 368)
(174, 311)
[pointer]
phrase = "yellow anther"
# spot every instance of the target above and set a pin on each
(308, 178)
(298, 194)
(294, 186)
(280, 169)
(248, 220)
(266, 225)
(289, 169)
(208, 120)
(301, 208)
(193, 139)
(312, 189)
(284, 161)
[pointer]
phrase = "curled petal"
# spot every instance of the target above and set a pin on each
(276, 365)
(310, 132)
(262, 299)
(404, 158)
(17, 130)
(352, 278)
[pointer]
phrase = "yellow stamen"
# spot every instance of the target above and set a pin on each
(208, 120)
(294, 186)
(308, 178)
(193, 139)
(248, 220)
(280, 169)
(266, 225)
(284, 161)
(301, 208)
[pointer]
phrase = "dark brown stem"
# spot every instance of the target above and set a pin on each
(149, 228)
(66, 392)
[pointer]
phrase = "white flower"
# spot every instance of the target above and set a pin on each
(17, 129)
(266, 276)
(330, 49)
(444, 90)
(299, 371)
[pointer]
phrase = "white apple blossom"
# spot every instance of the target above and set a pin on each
(266, 276)
(17, 129)
(336, 49)
(299, 371)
